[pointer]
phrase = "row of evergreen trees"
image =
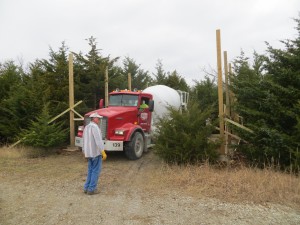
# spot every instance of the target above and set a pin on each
(266, 99)
(267, 95)
(25, 92)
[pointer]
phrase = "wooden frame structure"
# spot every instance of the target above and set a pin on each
(225, 112)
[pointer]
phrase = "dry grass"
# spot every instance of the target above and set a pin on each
(23, 152)
(30, 164)
(235, 185)
(229, 184)
(7, 153)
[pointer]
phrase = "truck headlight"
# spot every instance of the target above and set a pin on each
(119, 132)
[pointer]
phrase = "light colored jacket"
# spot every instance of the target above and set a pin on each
(92, 141)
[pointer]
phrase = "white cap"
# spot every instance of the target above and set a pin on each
(93, 115)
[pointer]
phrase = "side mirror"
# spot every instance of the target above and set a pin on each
(151, 105)
(101, 103)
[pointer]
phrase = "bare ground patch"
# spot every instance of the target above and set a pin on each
(48, 190)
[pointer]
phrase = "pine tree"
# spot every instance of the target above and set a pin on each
(89, 72)
(267, 96)
(42, 134)
(10, 75)
(206, 93)
(183, 137)
(175, 81)
(160, 76)
(15, 101)
(140, 78)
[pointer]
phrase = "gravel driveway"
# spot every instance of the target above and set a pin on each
(49, 191)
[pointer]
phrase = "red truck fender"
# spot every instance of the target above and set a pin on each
(130, 129)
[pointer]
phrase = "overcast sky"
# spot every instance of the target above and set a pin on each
(181, 33)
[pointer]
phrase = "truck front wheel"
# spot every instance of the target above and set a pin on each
(134, 148)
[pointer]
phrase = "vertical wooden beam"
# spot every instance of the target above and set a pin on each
(231, 95)
(220, 91)
(71, 101)
(106, 86)
(129, 81)
(228, 106)
(227, 97)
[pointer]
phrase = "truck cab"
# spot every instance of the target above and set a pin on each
(126, 122)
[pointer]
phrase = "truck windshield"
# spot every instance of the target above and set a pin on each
(123, 100)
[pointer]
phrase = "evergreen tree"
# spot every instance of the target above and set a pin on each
(183, 137)
(21, 106)
(54, 77)
(206, 93)
(175, 81)
(267, 97)
(160, 75)
(90, 75)
(44, 135)
(16, 103)
(10, 75)
(140, 78)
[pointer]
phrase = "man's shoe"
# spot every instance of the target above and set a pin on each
(93, 192)
(84, 191)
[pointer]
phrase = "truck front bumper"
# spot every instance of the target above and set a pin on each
(108, 145)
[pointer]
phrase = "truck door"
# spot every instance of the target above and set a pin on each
(144, 114)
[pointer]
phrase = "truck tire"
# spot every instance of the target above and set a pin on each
(134, 148)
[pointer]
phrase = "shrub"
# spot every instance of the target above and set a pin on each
(44, 135)
(183, 137)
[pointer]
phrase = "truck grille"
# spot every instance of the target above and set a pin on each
(103, 127)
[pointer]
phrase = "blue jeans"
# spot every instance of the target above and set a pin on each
(94, 170)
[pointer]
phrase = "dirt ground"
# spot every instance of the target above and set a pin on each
(49, 191)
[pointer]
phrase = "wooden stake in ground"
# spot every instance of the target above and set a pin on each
(220, 91)
(129, 81)
(231, 95)
(228, 106)
(106, 86)
(71, 101)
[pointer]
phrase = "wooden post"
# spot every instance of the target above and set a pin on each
(228, 106)
(106, 86)
(226, 85)
(220, 91)
(230, 91)
(129, 81)
(71, 101)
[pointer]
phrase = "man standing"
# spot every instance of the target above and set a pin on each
(93, 149)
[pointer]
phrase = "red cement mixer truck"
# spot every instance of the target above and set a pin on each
(128, 122)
